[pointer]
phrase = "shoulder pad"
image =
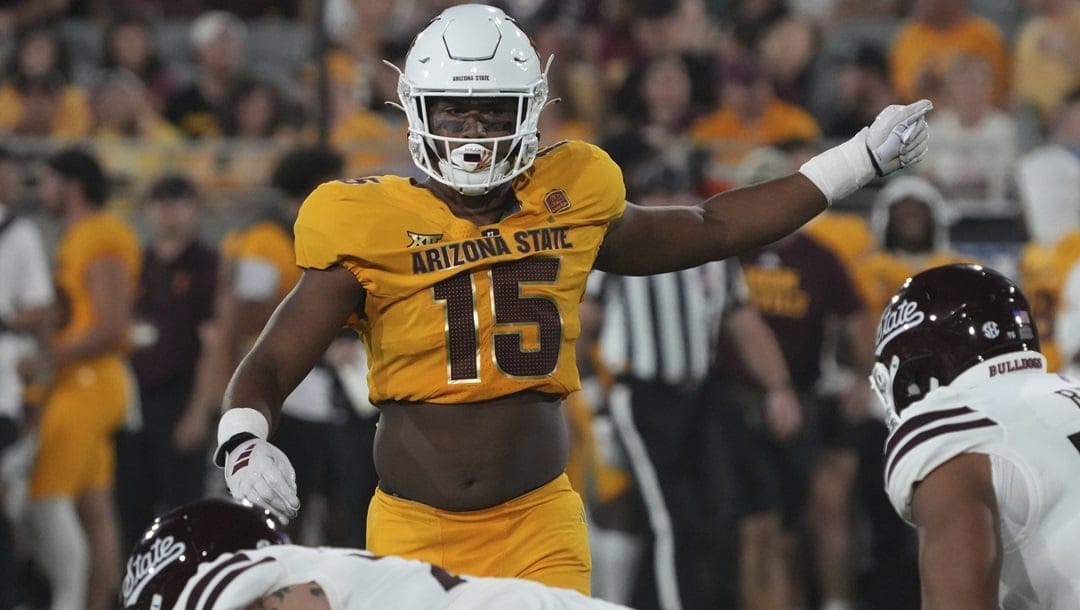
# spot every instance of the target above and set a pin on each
(926, 439)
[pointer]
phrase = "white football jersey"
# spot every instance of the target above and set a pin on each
(354, 579)
(1028, 422)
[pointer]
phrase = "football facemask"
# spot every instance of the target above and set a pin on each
(472, 51)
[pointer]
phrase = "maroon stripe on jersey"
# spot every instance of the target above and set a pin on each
(919, 421)
(205, 581)
(922, 437)
(211, 601)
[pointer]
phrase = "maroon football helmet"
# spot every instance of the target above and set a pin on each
(942, 322)
(174, 546)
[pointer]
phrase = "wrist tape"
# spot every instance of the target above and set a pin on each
(237, 426)
(841, 170)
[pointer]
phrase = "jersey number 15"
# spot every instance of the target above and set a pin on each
(510, 308)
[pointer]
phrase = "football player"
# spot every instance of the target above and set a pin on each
(72, 512)
(213, 554)
(465, 290)
(984, 444)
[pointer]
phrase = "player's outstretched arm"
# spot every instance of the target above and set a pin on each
(959, 543)
(294, 339)
(652, 240)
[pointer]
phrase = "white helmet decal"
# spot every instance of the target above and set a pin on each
(142, 568)
(898, 317)
(473, 50)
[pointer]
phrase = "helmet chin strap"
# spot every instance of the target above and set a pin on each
(881, 383)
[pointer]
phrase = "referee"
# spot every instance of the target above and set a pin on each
(657, 334)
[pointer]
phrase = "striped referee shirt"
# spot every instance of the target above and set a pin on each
(664, 327)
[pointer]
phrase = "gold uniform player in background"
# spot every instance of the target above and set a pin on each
(465, 290)
(72, 511)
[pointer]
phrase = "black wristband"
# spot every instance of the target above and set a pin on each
(229, 445)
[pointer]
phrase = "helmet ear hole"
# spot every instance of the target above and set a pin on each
(911, 380)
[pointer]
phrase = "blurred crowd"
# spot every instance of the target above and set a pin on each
(212, 121)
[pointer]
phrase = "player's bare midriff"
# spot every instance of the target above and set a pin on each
(470, 456)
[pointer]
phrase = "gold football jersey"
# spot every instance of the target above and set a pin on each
(847, 235)
(456, 312)
(97, 236)
(1043, 269)
(269, 241)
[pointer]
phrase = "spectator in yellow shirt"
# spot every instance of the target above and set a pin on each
(750, 114)
(911, 230)
(930, 39)
(37, 98)
(1047, 55)
(131, 138)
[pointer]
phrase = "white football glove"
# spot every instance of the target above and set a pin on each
(259, 473)
(897, 138)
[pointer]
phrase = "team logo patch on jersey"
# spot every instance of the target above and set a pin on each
(897, 319)
(423, 239)
(557, 201)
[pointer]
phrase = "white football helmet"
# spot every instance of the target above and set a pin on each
(473, 51)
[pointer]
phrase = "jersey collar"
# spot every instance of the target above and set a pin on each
(1011, 364)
